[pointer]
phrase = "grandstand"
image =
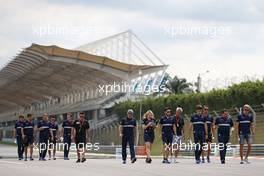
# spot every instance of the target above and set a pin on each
(58, 80)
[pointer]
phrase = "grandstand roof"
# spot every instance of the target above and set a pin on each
(40, 72)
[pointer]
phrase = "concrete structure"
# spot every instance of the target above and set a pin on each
(58, 80)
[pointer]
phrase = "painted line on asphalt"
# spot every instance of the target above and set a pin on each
(10, 162)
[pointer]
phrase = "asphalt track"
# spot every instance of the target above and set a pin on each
(102, 167)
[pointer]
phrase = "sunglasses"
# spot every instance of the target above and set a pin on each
(246, 109)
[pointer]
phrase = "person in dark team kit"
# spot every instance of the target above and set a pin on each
(199, 128)
(54, 127)
(81, 136)
(17, 134)
(126, 132)
(28, 136)
(168, 129)
(179, 122)
(209, 120)
(224, 125)
(149, 124)
(245, 130)
(44, 133)
(66, 133)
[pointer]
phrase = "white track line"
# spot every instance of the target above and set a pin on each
(10, 162)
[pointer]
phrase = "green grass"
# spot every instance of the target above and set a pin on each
(7, 143)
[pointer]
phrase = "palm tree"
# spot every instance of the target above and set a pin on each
(178, 85)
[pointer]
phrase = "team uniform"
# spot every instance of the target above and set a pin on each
(28, 128)
(179, 123)
(67, 126)
(43, 138)
(198, 122)
(149, 134)
(209, 122)
(54, 127)
(244, 128)
(223, 134)
(19, 140)
(167, 129)
(128, 126)
(80, 127)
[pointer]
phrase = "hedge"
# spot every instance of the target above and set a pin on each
(233, 96)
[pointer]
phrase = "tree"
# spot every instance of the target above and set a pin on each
(179, 85)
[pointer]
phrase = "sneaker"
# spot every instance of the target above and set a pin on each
(43, 159)
(241, 162)
(19, 159)
(124, 162)
(198, 161)
(167, 161)
(208, 160)
(54, 158)
(203, 160)
(223, 162)
(31, 159)
(174, 160)
(246, 161)
(66, 158)
(49, 158)
(148, 160)
(83, 160)
(25, 159)
(78, 161)
(133, 160)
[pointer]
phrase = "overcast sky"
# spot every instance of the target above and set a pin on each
(229, 41)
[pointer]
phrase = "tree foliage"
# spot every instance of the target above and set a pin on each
(234, 96)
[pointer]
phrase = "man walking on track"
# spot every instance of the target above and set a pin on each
(126, 130)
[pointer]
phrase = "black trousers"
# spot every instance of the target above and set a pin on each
(223, 139)
(67, 145)
(199, 140)
(130, 141)
(20, 146)
(43, 147)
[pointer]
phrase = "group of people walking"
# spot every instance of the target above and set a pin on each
(202, 127)
(25, 133)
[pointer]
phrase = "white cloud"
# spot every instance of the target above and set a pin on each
(188, 55)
